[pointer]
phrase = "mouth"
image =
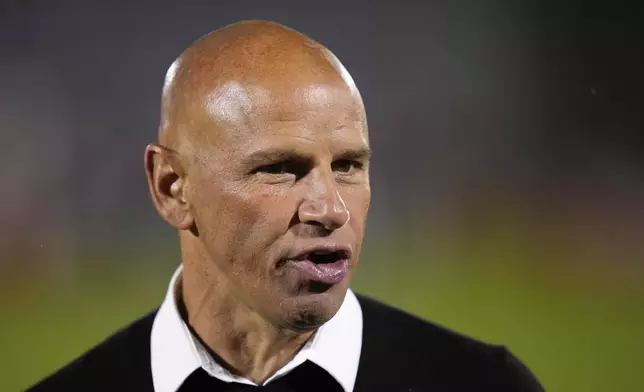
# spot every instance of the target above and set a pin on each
(323, 256)
(327, 265)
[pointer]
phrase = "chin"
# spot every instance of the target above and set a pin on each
(313, 307)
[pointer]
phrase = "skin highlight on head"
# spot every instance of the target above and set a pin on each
(263, 153)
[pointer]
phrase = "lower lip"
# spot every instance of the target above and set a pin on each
(327, 273)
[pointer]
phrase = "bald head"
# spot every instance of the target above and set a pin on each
(246, 68)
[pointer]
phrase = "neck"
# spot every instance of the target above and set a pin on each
(250, 345)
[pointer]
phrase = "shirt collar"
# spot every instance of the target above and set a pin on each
(176, 353)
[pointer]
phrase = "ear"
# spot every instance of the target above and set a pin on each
(167, 185)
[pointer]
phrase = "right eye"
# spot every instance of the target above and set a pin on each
(274, 168)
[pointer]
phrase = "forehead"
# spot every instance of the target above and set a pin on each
(319, 113)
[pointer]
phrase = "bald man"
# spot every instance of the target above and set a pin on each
(262, 166)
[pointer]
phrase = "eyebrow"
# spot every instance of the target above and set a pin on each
(362, 153)
(270, 155)
(284, 154)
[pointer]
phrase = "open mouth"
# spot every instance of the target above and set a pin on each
(324, 256)
(326, 267)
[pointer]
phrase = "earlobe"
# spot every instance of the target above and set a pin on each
(185, 221)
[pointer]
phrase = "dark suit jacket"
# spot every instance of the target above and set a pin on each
(400, 352)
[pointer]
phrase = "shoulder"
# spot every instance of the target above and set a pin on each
(125, 355)
(426, 354)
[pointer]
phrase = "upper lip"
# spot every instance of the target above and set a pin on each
(301, 254)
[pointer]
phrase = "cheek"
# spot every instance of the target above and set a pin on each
(266, 210)
(254, 220)
(358, 208)
(357, 202)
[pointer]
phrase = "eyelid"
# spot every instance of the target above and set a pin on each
(356, 165)
(263, 167)
(356, 161)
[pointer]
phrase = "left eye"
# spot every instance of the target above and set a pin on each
(345, 166)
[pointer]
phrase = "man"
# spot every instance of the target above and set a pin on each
(262, 166)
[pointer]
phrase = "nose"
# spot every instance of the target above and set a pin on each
(324, 205)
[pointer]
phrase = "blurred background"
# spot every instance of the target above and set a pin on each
(508, 171)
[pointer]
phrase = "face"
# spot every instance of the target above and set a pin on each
(279, 193)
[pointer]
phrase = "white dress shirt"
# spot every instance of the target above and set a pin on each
(176, 353)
